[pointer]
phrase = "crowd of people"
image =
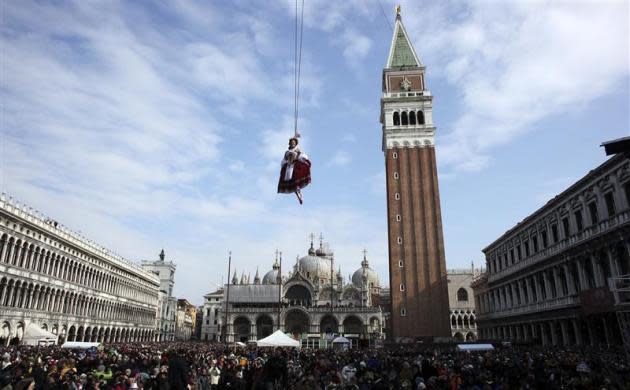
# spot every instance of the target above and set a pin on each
(204, 366)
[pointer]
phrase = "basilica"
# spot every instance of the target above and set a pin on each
(312, 302)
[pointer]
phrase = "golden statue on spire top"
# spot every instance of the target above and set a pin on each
(398, 9)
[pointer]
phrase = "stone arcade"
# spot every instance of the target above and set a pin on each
(67, 285)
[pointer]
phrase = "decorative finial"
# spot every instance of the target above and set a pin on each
(162, 255)
(321, 240)
(365, 263)
(398, 11)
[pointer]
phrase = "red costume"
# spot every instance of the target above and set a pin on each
(295, 173)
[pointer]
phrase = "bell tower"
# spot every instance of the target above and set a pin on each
(417, 268)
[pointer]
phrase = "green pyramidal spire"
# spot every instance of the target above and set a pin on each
(401, 53)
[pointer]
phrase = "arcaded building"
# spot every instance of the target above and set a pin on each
(310, 300)
(461, 304)
(68, 285)
(547, 278)
(417, 267)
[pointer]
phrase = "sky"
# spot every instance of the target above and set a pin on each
(150, 125)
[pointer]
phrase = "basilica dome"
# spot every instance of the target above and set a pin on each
(316, 265)
(271, 277)
(369, 273)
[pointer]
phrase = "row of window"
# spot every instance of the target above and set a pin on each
(79, 254)
(27, 295)
(408, 118)
(21, 253)
(559, 281)
(533, 245)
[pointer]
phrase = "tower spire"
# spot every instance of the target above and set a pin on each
(401, 51)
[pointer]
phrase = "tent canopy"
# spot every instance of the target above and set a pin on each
(475, 347)
(341, 340)
(278, 339)
(79, 345)
(34, 335)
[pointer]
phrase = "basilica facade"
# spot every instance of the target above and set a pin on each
(312, 302)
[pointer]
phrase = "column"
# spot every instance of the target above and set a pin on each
(16, 255)
(557, 282)
(569, 277)
(581, 275)
(589, 330)
(508, 296)
(607, 335)
(521, 291)
(545, 275)
(516, 298)
(29, 304)
(612, 263)
(554, 334)
(597, 271)
(4, 251)
(565, 334)
(538, 288)
(530, 294)
(543, 334)
(11, 250)
(577, 331)
(4, 293)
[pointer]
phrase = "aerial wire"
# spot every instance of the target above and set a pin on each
(385, 15)
(297, 57)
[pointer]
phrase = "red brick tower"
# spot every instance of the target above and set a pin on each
(417, 269)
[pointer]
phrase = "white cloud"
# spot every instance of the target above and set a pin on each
(515, 64)
(356, 46)
(341, 158)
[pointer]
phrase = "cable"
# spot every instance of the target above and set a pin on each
(299, 71)
(297, 57)
(385, 15)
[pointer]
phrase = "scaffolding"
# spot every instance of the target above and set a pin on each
(620, 287)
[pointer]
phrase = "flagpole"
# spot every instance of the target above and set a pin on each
(227, 300)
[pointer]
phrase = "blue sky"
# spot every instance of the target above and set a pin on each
(149, 125)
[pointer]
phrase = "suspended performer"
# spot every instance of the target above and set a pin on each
(295, 173)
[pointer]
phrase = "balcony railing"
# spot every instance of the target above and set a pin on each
(310, 309)
(550, 304)
(574, 240)
(406, 94)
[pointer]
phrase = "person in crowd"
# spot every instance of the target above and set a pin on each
(204, 366)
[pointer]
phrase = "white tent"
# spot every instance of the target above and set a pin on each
(278, 339)
(341, 340)
(475, 347)
(34, 335)
(79, 345)
(341, 343)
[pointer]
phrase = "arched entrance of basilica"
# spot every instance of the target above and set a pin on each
(296, 322)
(352, 325)
(298, 295)
(328, 325)
(242, 328)
(264, 326)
